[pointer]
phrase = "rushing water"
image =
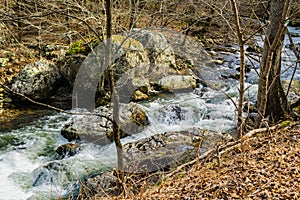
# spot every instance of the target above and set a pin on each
(31, 170)
(25, 158)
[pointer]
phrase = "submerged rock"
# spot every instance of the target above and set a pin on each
(97, 127)
(52, 172)
(38, 80)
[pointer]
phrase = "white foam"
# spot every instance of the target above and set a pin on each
(10, 163)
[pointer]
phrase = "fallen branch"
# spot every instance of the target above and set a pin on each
(49, 106)
(227, 147)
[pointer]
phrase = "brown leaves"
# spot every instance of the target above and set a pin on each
(267, 166)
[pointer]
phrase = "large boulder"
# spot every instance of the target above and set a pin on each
(170, 149)
(127, 54)
(97, 126)
(160, 52)
(38, 80)
(139, 83)
(163, 152)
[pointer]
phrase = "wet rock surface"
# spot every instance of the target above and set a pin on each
(67, 150)
(97, 126)
(160, 152)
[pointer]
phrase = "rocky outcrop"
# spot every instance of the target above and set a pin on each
(159, 152)
(142, 59)
(160, 52)
(38, 80)
(97, 127)
(170, 149)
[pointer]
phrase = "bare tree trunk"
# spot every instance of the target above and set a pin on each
(133, 8)
(241, 43)
(114, 95)
(271, 100)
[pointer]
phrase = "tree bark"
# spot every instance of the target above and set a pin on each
(111, 83)
(271, 100)
(241, 43)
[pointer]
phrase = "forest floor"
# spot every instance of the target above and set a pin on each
(266, 166)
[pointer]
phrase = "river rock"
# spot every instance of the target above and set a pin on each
(67, 150)
(159, 152)
(178, 82)
(38, 80)
(97, 127)
(169, 149)
(127, 53)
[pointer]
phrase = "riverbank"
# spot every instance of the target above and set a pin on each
(263, 166)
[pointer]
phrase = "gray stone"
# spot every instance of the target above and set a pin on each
(160, 52)
(102, 185)
(170, 149)
(178, 82)
(38, 80)
(97, 127)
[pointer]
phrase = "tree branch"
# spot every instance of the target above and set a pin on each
(52, 107)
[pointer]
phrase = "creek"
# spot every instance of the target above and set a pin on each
(31, 170)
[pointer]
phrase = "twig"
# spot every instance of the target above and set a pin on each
(293, 47)
(258, 30)
(51, 107)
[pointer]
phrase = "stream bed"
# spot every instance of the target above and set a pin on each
(31, 170)
(29, 165)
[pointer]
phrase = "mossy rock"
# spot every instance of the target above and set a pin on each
(82, 47)
(127, 43)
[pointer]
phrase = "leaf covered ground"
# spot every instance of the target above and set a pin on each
(266, 166)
